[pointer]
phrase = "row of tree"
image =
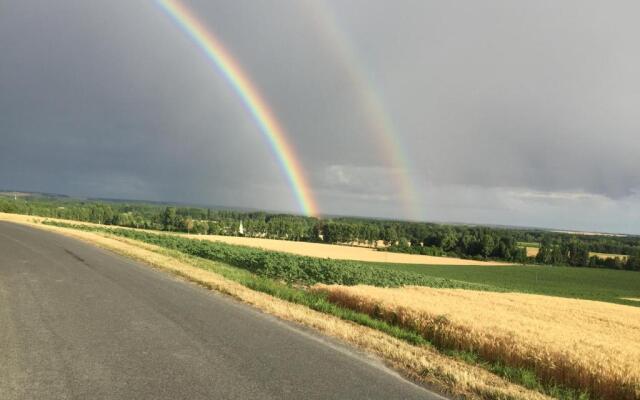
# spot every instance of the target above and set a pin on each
(474, 242)
(570, 251)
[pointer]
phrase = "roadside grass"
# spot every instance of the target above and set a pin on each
(318, 301)
(580, 283)
(315, 301)
(523, 376)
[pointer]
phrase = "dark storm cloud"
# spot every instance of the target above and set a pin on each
(98, 99)
(510, 112)
(534, 94)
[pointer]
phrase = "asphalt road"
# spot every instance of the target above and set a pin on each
(78, 322)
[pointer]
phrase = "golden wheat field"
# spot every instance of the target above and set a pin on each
(533, 251)
(340, 252)
(608, 255)
(579, 343)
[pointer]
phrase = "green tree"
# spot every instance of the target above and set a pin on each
(390, 235)
(449, 240)
(633, 263)
(169, 219)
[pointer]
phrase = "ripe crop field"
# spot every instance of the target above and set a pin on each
(585, 345)
(608, 255)
(583, 283)
(533, 249)
(339, 252)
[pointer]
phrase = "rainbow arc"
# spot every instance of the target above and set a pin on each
(250, 96)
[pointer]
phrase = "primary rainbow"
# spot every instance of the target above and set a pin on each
(269, 126)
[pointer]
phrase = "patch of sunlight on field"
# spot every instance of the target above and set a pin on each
(580, 343)
(604, 256)
(532, 251)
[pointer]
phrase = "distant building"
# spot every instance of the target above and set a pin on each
(241, 229)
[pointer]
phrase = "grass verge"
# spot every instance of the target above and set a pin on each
(522, 376)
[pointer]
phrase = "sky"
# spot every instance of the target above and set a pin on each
(506, 112)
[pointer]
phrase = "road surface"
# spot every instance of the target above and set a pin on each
(78, 322)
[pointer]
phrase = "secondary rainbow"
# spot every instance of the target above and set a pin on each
(264, 117)
(379, 119)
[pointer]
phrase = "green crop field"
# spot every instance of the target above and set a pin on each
(290, 268)
(584, 283)
(529, 244)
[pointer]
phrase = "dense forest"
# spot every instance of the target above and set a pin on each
(466, 241)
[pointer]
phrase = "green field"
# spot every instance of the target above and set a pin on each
(529, 244)
(584, 283)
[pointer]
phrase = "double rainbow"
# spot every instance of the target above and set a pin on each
(250, 96)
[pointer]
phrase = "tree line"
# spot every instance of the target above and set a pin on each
(472, 242)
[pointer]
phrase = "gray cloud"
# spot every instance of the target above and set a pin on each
(511, 112)
(539, 95)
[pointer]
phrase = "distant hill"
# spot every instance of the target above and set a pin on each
(8, 193)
